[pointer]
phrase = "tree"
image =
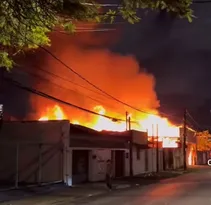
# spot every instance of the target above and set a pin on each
(203, 141)
(25, 24)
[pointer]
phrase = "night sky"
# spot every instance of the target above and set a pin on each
(177, 53)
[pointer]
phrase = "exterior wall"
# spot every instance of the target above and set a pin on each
(98, 161)
(191, 135)
(138, 163)
(147, 161)
(139, 137)
(152, 162)
(34, 151)
(178, 158)
(97, 166)
(202, 158)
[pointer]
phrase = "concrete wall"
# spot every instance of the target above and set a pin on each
(138, 163)
(98, 162)
(37, 147)
(147, 161)
(139, 137)
(178, 158)
(97, 167)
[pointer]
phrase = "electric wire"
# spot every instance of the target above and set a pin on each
(193, 120)
(95, 86)
(68, 80)
(89, 82)
(42, 94)
(68, 89)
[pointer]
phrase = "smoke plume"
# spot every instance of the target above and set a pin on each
(88, 54)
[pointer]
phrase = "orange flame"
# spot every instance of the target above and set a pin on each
(154, 125)
(55, 113)
(190, 157)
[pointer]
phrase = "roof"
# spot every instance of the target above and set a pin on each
(81, 136)
(78, 129)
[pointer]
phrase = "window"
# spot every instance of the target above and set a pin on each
(138, 153)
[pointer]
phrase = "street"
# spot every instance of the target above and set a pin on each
(193, 189)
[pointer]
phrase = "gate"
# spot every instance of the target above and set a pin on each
(30, 164)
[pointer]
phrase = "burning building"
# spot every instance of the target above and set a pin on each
(40, 152)
(117, 75)
(154, 125)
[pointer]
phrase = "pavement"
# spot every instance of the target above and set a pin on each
(163, 189)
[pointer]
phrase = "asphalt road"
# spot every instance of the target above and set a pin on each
(188, 189)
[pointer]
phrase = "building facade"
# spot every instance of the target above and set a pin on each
(36, 153)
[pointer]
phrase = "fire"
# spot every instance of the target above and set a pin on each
(55, 113)
(154, 125)
(105, 123)
(190, 157)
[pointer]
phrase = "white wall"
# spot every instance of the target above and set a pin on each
(138, 164)
(151, 160)
(67, 171)
(97, 166)
(178, 158)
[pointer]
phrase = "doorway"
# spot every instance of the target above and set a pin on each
(80, 166)
(119, 163)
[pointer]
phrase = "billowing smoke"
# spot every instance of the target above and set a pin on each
(85, 52)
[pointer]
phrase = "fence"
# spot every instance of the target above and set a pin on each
(27, 164)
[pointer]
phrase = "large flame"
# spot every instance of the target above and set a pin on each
(154, 125)
(190, 157)
(55, 113)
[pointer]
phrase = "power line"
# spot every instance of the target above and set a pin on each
(86, 80)
(193, 120)
(67, 80)
(82, 94)
(42, 94)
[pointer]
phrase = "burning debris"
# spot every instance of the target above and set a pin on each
(167, 133)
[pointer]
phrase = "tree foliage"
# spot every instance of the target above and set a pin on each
(25, 24)
(203, 141)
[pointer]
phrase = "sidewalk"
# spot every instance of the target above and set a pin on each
(60, 194)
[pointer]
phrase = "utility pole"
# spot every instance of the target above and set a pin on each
(157, 149)
(126, 115)
(184, 138)
(128, 128)
(153, 136)
(153, 147)
(129, 123)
